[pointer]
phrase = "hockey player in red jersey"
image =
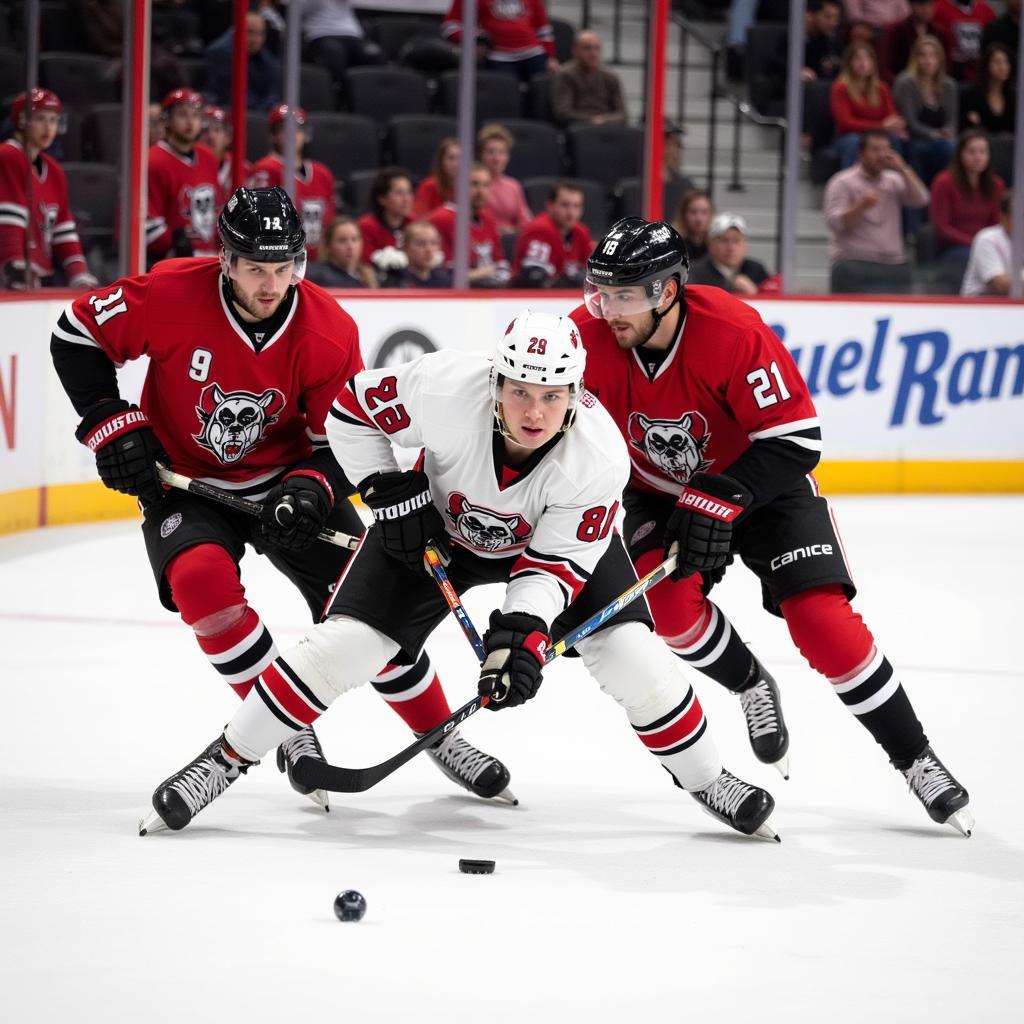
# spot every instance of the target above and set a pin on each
(314, 183)
(35, 218)
(722, 436)
(183, 184)
(519, 483)
(216, 136)
(553, 250)
(245, 360)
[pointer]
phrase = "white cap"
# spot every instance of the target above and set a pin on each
(723, 222)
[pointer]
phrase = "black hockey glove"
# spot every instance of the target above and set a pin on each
(515, 645)
(126, 449)
(295, 511)
(700, 527)
(405, 514)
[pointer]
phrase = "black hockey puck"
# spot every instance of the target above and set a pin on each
(476, 867)
(349, 905)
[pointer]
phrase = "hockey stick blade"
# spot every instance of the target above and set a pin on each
(335, 779)
(308, 771)
(250, 508)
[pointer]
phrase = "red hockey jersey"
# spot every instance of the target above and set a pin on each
(965, 27)
(226, 175)
(542, 245)
(484, 240)
(184, 192)
(314, 194)
(52, 235)
(377, 235)
(727, 382)
(225, 412)
(517, 28)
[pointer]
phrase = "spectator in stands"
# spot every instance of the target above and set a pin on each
(488, 267)
(989, 265)
(692, 221)
(438, 187)
(822, 56)
(861, 101)
(335, 39)
(965, 199)
(314, 182)
(390, 205)
(506, 199)
(183, 190)
(862, 210)
(553, 250)
(340, 263)
(424, 267)
(926, 97)
(517, 37)
(39, 243)
(876, 14)
(1005, 30)
(726, 264)
(965, 20)
(584, 91)
(676, 183)
(264, 85)
(898, 39)
(991, 101)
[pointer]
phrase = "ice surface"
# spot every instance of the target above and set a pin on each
(614, 898)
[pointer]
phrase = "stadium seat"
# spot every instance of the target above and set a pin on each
(257, 136)
(1002, 158)
(12, 73)
(59, 28)
(357, 191)
(382, 92)
(565, 36)
(413, 138)
(497, 96)
(316, 90)
(605, 152)
(345, 142)
(391, 34)
(629, 198)
(69, 145)
(101, 133)
(763, 86)
(537, 151)
(80, 79)
(595, 213)
(538, 97)
(93, 195)
(193, 67)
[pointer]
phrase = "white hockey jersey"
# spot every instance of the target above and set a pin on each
(556, 513)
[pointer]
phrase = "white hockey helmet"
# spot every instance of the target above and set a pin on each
(539, 348)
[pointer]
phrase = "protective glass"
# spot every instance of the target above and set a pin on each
(606, 301)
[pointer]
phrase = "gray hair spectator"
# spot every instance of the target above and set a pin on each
(586, 91)
(726, 264)
(863, 206)
(988, 268)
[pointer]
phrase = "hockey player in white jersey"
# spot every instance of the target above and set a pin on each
(518, 482)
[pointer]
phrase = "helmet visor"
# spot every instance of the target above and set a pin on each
(229, 261)
(608, 301)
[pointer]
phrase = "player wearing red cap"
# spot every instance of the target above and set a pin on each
(183, 185)
(38, 237)
(314, 183)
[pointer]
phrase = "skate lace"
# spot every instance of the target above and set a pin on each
(463, 758)
(303, 744)
(758, 706)
(928, 779)
(726, 793)
(201, 783)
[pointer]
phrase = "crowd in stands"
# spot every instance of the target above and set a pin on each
(919, 102)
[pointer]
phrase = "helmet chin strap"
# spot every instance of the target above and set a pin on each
(658, 317)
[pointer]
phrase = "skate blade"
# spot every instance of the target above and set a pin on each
(506, 796)
(767, 832)
(321, 799)
(962, 821)
(782, 766)
(151, 822)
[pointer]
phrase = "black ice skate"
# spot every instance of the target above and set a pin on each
(303, 744)
(180, 798)
(943, 797)
(762, 708)
(739, 805)
(481, 774)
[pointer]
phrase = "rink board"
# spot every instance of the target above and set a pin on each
(913, 396)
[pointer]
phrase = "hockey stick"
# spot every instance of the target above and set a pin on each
(436, 568)
(335, 779)
(251, 508)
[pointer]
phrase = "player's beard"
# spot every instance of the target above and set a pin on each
(640, 333)
(250, 304)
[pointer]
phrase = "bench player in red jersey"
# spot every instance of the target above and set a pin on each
(245, 361)
(723, 436)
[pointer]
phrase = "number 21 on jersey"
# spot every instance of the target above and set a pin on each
(766, 391)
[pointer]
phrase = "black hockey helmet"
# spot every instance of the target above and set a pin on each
(262, 225)
(636, 253)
